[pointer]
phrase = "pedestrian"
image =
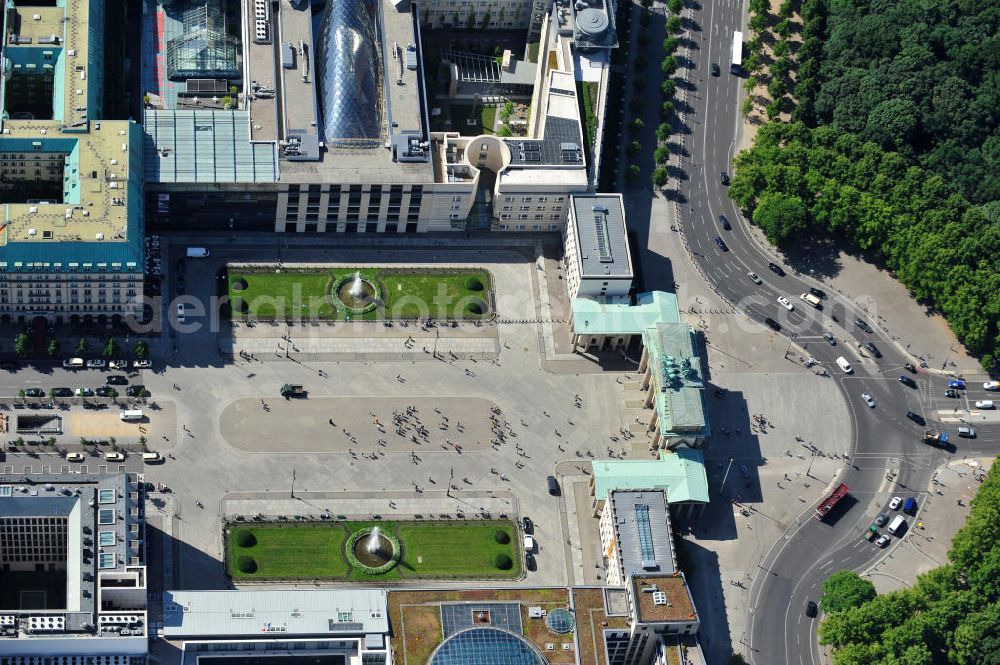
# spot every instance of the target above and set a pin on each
(331, 422)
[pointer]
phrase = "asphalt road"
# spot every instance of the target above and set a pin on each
(886, 454)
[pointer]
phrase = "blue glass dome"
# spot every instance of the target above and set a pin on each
(349, 71)
(486, 646)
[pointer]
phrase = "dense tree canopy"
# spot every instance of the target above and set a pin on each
(797, 181)
(845, 589)
(918, 77)
(950, 616)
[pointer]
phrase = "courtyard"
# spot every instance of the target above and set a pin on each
(409, 549)
(359, 293)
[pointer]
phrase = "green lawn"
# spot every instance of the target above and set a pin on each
(451, 550)
(488, 118)
(296, 295)
(291, 551)
(432, 550)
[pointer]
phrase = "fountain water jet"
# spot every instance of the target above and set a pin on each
(373, 543)
(357, 289)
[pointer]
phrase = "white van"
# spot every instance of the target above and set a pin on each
(151, 457)
(811, 299)
(73, 363)
(896, 524)
(529, 544)
(984, 404)
(844, 365)
(197, 252)
(130, 415)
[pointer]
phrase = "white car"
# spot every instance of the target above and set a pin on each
(74, 457)
(753, 277)
(984, 404)
(84, 392)
(869, 400)
(882, 541)
(967, 432)
(180, 312)
(784, 302)
(991, 385)
(142, 364)
(96, 364)
(118, 364)
(895, 503)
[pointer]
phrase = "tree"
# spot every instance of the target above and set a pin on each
(633, 172)
(645, 17)
(758, 23)
(668, 88)
(673, 24)
(746, 106)
(675, 6)
(53, 349)
(780, 215)
(661, 155)
(759, 7)
(646, 4)
(82, 347)
(750, 84)
(112, 394)
(781, 48)
(634, 148)
(663, 132)
(845, 589)
(666, 111)
(783, 28)
(670, 45)
(111, 348)
(659, 176)
(505, 131)
(754, 63)
(774, 109)
(140, 349)
(668, 66)
(21, 344)
(637, 125)
(786, 9)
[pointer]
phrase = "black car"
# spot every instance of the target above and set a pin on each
(910, 368)
(950, 392)
(916, 417)
(776, 269)
(529, 527)
(721, 243)
(772, 324)
(907, 381)
(724, 178)
(104, 391)
(882, 519)
(874, 349)
(9, 366)
(529, 561)
(863, 325)
(819, 293)
(725, 223)
(116, 380)
(135, 391)
(34, 392)
(811, 609)
(62, 392)
(715, 69)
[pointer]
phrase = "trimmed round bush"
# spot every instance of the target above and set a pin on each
(473, 283)
(501, 536)
(503, 562)
(245, 539)
(246, 565)
(476, 308)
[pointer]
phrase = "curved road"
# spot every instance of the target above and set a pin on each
(886, 454)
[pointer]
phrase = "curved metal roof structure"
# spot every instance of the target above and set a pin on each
(349, 72)
(486, 646)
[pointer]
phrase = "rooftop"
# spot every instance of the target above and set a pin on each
(592, 619)
(642, 531)
(104, 531)
(681, 472)
(677, 369)
(602, 238)
(651, 607)
(591, 317)
(291, 612)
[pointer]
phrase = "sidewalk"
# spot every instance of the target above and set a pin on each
(942, 512)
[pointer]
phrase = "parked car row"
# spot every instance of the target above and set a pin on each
(98, 363)
(897, 526)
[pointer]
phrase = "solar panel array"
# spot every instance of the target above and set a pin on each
(459, 616)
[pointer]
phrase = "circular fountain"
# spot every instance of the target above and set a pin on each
(355, 293)
(373, 551)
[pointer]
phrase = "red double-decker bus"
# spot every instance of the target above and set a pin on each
(827, 504)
